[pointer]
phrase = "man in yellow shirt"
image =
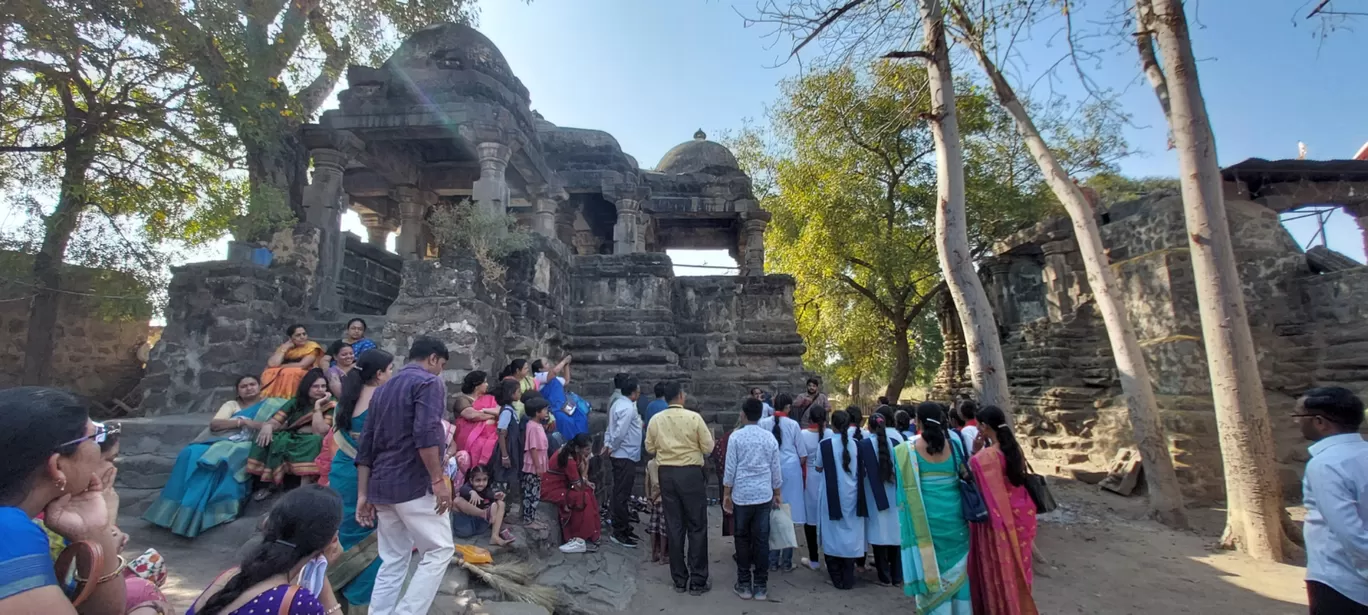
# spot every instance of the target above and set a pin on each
(680, 440)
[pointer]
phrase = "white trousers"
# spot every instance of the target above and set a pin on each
(400, 528)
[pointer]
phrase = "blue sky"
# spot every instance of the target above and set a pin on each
(652, 71)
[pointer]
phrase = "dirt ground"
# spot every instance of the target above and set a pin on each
(1103, 557)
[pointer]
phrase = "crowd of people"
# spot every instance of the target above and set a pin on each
(374, 469)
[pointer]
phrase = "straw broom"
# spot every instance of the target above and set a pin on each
(514, 581)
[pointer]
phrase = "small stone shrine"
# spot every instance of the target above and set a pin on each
(1308, 312)
(445, 121)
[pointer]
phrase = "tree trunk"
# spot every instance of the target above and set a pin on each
(47, 267)
(1254, 500)
(986, 367)
(1166, 500)
(277, 170)
(902, 364)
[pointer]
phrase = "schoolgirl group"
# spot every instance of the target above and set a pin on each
(908, 485)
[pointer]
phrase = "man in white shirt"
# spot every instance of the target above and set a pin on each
(622, 445)
(750, 489)
(1335, 492)
(766, 409)
(968, 412)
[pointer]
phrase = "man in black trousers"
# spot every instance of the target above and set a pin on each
(680, 440)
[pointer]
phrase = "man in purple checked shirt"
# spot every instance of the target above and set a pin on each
(401, 488)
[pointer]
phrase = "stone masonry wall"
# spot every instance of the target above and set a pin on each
(370, 277)
(1309, 329)
(93, 355)
(223, 320)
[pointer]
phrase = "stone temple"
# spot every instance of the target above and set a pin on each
(1308, 313)
(445, 120)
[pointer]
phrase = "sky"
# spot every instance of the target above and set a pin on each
(651, 72)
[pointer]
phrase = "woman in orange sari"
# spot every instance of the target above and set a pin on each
(289, 363)
(1000, 551)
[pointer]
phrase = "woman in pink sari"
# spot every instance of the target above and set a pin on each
(1000, 551)
(476, 418)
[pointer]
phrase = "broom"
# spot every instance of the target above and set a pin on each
(514, 581)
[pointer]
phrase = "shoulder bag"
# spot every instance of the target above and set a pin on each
(1039, 491)
(971, 499)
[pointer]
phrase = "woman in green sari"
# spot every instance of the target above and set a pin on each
(290, 441)
(354, 572)
(935, 536)
(209, 482)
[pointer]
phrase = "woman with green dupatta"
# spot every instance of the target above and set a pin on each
(209, 482)
(289, 443)
(354, 572)
(935, 536)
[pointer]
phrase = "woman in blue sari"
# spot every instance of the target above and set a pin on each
(354, 572)
(209, 482)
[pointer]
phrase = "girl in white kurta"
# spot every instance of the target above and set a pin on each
(882, 530)
(792, 456)
(839, 525)
(809, 439)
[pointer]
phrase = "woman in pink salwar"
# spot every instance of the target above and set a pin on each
(1000, 551)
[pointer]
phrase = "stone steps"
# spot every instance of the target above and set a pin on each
(148, 448)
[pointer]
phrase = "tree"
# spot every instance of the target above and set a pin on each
(849, 175)
(116, 132)
(1254, 517)
(260, 62)
(1166, 501)
(858, 25)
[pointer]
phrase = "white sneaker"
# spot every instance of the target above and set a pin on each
(576, 545)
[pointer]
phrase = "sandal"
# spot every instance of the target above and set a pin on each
(507, 536)
(262, 494)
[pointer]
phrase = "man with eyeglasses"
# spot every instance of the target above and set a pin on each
(1335, 492)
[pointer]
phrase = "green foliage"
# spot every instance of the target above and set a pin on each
(107, 293)
(847, 168)
(109, 157)
(1113, 188)
(463, 228)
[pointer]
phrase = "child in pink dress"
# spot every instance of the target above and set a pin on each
(534, 459)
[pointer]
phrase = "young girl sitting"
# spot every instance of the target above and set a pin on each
(479, 506)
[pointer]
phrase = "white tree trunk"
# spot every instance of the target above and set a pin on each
(986, 367)
(1254, 500)
(1166, 500)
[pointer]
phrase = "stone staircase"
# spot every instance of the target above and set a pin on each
(148, 448)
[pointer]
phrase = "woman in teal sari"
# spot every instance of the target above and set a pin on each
(354, 572)
(935, 536)
(209, 482)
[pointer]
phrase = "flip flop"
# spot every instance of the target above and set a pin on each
(507, 535)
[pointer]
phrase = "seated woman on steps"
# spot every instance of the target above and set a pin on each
(566, 484)
(289, 363)
(209, 482)
(289, 443)
(300, 535)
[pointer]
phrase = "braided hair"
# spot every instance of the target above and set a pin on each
(932, 417)
(298, 528)
(994, 418)
(878, 425)
(840, 420)
(370, 364)
(856, 419)
(782, 403)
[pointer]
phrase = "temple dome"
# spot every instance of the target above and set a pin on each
(698, 155)
(455, 47)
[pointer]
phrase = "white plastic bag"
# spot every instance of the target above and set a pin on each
(782, 535)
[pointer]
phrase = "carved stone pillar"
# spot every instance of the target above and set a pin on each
(753, 243)
(999, 289)
(412, 239)
(323, 205)
(544, 216)
(626, 239)
(490, 192)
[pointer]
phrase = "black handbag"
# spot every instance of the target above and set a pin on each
(1040, 491)
(971, 499)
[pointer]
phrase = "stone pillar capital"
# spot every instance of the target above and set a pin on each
(328, 161)
(627, 204)
(492, 152)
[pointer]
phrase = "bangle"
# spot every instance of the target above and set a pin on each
(106, 578)
(336, 608)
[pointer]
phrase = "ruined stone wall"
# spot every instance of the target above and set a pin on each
(94, 355)
(223, 320)
(370, 277)
(1059, 363)
(538, 285)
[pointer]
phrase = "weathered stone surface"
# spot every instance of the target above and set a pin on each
(1309, 329)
